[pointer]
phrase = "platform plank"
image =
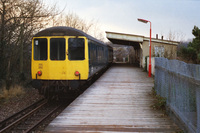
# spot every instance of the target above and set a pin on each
(119, 101)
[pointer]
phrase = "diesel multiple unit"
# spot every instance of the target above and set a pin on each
(64, 58)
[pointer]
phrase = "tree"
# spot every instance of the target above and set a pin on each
(73, 20)
(195, 44)
(175, 36)
(192, 51)
(19, 20)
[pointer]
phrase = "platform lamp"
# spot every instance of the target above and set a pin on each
(146, 21)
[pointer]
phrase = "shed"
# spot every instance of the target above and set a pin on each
(159, 47)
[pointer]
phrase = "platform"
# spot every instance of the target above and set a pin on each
(119, 101)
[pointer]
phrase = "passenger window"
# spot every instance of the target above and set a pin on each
(40, 49)
(76, 49)
(57, 49)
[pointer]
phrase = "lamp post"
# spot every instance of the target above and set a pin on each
(146, 21)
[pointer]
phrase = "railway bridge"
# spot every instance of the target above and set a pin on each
(119, 101)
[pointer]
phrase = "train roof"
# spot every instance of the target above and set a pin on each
(65, 31)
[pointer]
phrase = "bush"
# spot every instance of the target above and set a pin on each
(14, 91)
(160, 102)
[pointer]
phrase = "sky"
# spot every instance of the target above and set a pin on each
(176, 16)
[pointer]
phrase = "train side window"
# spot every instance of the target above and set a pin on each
(40, 49)
(76, 49)
(57, 49)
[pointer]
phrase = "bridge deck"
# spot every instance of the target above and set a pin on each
(117, 102)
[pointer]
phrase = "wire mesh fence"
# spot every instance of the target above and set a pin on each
(179, 83)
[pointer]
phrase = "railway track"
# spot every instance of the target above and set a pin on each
(31, 118)
(38, 115)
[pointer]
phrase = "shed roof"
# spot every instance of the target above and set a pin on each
(135, 40)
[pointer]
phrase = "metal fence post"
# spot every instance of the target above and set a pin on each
(198, 109)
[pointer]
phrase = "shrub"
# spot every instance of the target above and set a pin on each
(160, 102)
(14, 91)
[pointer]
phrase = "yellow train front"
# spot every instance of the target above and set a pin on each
(63, 58)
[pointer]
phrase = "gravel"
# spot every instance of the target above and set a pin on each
(18, 103)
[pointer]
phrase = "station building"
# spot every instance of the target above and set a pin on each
(159, 47)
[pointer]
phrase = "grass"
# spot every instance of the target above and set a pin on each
(14, 91)
(160, 102)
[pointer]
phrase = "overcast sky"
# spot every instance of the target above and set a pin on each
(177, 16)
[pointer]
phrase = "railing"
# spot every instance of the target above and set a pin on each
(179, 83)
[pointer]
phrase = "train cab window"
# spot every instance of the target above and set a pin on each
(76, 49)
(57, 49)
(40, 49)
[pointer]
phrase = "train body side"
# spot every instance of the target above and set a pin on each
(98, 57)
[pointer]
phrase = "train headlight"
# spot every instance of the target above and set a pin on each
(39, 73)
(77, 73)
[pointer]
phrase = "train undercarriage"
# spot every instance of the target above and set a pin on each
(59, 88)
(65, 89)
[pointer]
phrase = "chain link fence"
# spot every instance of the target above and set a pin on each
(179, 83)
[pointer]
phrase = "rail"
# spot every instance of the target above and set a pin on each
(42, 119)
(22, 118)
(31, 118)
(17, 115)
(28, 120)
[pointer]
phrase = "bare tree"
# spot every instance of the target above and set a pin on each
(175, 36)
(19, 20)
(73, 20)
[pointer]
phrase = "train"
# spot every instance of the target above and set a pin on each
(64, 58)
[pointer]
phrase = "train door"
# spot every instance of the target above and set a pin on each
(57, 55)
(39, 58)
(77, 59)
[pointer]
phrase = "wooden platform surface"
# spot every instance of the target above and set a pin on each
(118, 102)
